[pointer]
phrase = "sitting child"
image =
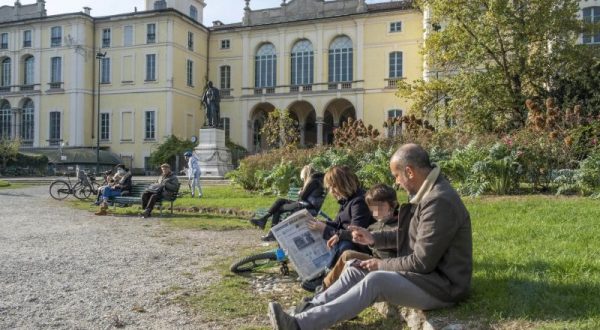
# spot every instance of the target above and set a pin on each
(383, 205)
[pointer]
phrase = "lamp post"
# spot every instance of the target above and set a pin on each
(99, 56)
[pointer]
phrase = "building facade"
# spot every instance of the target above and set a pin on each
(325, 61)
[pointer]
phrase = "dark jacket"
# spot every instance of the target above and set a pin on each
(126, 182)
(353, 211)
(401, 217)
(314, 193)
(437, 254)
(170, 184)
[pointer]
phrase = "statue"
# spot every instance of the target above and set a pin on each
(211, 101)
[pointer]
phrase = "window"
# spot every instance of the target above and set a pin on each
(5, 120)
(105, 38)
(190, 41)
(105, 71)
(394, 113)
(105, 126)
(56, 36)
(225, 77)
(225, 44)
(395, 65)
(591, 15)
(28, 71)
(190, 73)
(5, 76)
(396, 27)
(54, 136)
(150, 67)
(265, 66)
(56, 70)
(226, 124)
(127, 35)
(4, 41)
(27, 38)
(150, 127)
(340, 60)
(27, 122)
(151, 33)
(302, 63)
(194, 13)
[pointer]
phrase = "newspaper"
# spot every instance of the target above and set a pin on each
(305, 248)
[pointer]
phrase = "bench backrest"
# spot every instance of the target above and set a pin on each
(137, 189)
(293, 193)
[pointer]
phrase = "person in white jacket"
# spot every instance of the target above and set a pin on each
(193, 173)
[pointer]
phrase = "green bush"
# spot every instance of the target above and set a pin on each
(4, 184)
(584, 180)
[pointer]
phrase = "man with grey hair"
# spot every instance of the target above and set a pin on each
(433, 243)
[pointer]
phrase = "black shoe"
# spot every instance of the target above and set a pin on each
(269, 237)
(280, 320)
(260, 222)
(311, 285)
(145, 214)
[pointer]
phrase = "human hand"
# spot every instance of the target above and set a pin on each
(316, 225)
(371, 264)
(333, 241)
(361, 236)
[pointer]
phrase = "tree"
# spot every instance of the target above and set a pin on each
(280, 129)
(167, 151)
(489, 56)
(9, 149)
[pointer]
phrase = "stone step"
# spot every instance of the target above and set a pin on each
(145, 179)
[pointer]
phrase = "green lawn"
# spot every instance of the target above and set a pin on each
(536, 261)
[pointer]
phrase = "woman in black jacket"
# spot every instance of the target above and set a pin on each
(311, 197)
(343, 184)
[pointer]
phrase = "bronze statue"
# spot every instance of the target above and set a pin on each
(211, 101)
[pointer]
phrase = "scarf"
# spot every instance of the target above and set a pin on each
(426, 186)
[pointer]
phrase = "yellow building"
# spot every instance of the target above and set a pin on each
(325, 61)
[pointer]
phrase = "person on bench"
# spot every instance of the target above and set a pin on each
(311, 197)
(166, 186)
(432, 270)
(120, 188)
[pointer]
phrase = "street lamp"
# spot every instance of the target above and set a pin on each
(99, 56)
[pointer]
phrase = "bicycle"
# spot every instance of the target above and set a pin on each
(263, 259)
(60, 189)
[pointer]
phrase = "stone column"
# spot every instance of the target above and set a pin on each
(302, 127)
(320, 123)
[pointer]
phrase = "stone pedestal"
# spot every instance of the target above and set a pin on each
(215, 158)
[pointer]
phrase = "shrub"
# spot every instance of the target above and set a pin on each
(584, 180)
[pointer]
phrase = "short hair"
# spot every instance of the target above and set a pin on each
(165, 165)
(412, 155)
(343, 179)
(381, 193)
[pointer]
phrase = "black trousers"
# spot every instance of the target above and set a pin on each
(281, 206)
(149, 199)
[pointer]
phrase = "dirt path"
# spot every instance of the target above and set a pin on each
(66, 268)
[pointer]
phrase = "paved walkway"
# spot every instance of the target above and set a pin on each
(66, 268)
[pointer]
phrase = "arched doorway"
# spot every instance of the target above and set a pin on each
(306, 117)
(258, 116)
(336, 112)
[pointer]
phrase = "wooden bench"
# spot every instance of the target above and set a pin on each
(135, 197)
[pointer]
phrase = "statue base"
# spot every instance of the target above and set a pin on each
(214, 157)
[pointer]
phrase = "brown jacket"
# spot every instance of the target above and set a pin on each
(437, 254)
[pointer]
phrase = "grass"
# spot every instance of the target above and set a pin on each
(7, 185)
(536, 263)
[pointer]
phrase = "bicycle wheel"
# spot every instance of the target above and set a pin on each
(251, 262)
(81, 191)
(59, 189)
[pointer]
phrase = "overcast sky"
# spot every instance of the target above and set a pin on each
(227, 11)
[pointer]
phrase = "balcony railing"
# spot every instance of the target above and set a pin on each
(26, 87)
(300, 88)
(226, 92)
(55, 85)
(346, 86)
(4, 89)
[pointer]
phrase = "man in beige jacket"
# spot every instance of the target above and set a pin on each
(433, 266)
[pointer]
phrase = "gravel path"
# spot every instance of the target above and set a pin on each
(66, 268)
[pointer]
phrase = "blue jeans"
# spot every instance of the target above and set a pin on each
(338, 249)
(109, 192)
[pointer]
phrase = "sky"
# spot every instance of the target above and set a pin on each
(226, 11)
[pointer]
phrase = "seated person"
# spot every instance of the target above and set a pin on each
(434, 265)
(166, 186)
(110, 180)
(383, 203)
(344, 186)
(115, 188)
(311, 197)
